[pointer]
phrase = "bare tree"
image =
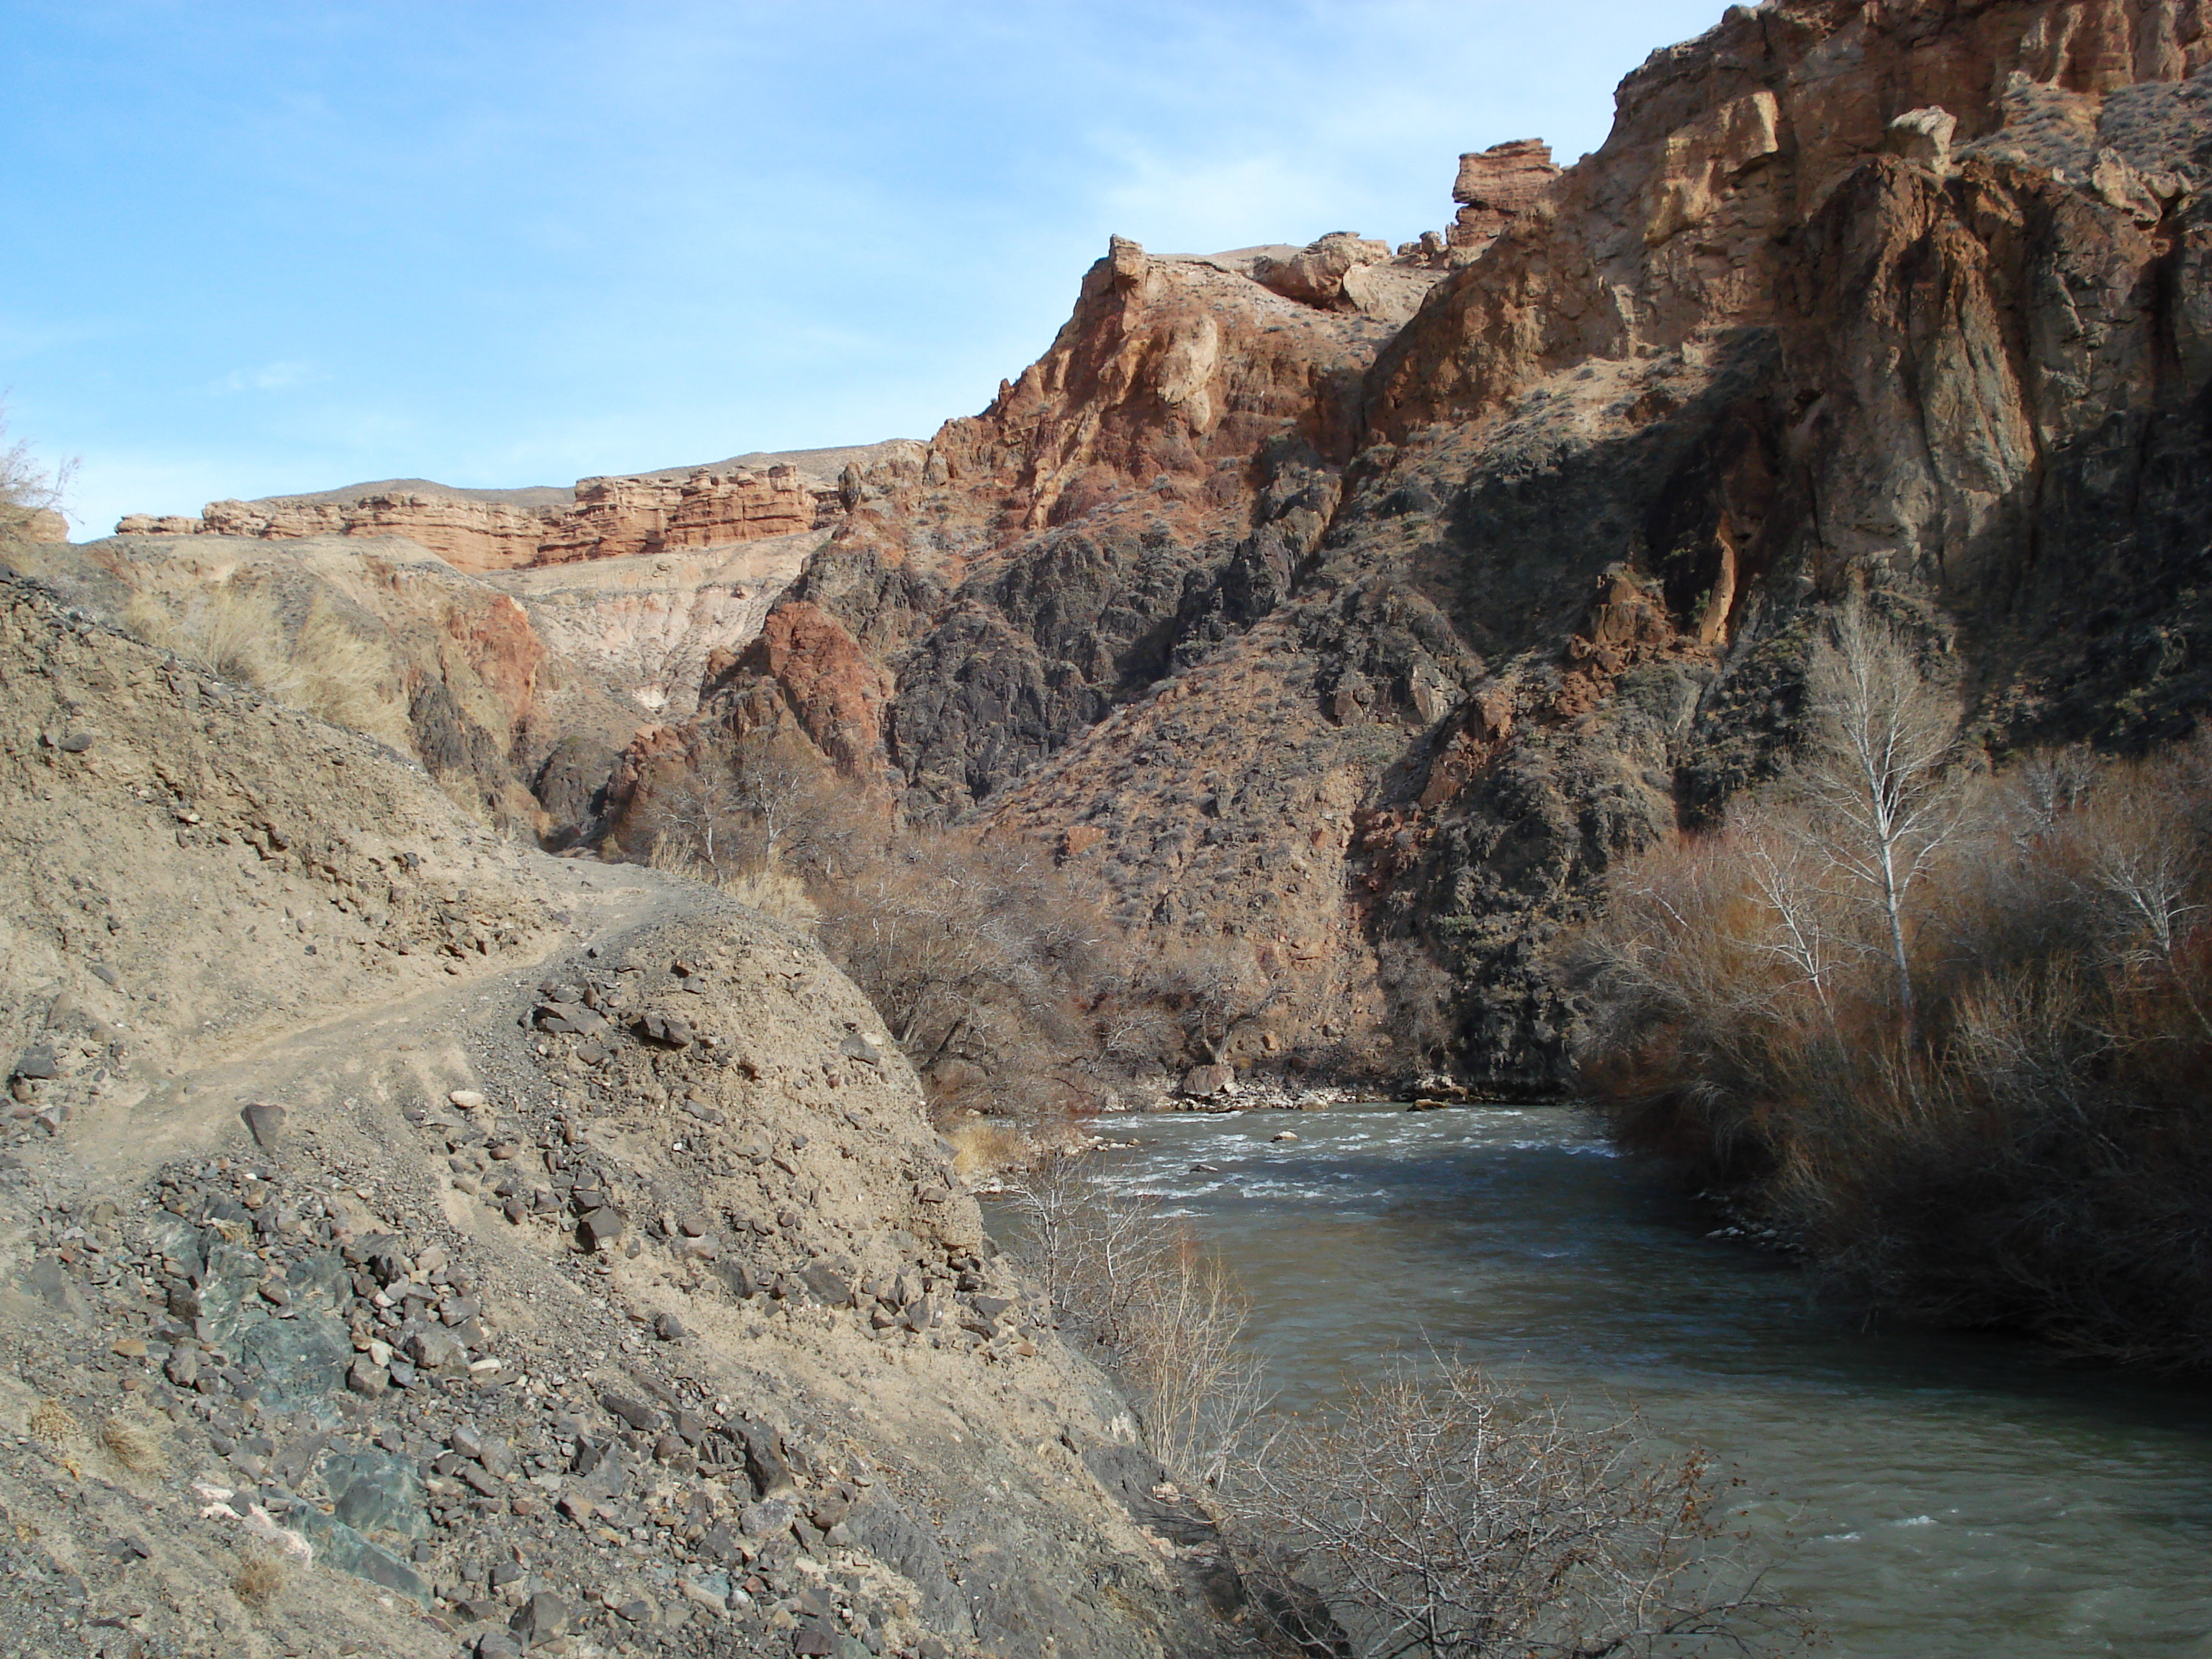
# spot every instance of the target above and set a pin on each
(26, 487)
(2146, 872)
(693, 821)
(1216, 989)
(1803, 934)
(775, 790)
(1443, 1514)
(754, 805)
(1876, 772)
(1421, 994)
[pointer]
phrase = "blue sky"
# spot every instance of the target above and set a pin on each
(256, 248)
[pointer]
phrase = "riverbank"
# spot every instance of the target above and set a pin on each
(1935, 1495)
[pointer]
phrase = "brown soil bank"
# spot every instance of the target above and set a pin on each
(408, 1241)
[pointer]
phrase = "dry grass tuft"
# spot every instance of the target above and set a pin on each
(983, 1145)
(51, 1422)
(775, 893)
(326, 667)
(260, 1576)
(132, 1445)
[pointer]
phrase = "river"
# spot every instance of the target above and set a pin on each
(1927, 1494)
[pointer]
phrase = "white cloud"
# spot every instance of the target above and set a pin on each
(269, 377)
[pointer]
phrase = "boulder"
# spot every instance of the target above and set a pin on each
(265, 1123)
(1314, 274)
(1208, 1083)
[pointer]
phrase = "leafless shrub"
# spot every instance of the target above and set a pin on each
(1440, 1513)
(976, 956)
(1421, 996)
(133, 1443)
(1167, 1315)
(260, 1578)
(27, 488)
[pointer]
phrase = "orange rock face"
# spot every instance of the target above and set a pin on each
(1495, 186)
(1686, 221)
(1167, 368)
(836, 691)
(615, 517)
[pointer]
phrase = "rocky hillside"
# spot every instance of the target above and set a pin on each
(1332, 633)
(512, 642)
(410, 1244)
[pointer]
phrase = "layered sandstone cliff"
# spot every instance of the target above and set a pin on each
(687, 510)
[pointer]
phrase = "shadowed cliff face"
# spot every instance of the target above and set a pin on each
(1298, 627)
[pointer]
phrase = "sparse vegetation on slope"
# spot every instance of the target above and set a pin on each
(1000, 975)
(323, 667)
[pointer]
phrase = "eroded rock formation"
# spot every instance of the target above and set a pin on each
(608, 518)
(1494, 187)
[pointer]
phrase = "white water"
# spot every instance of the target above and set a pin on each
(1928, 1495)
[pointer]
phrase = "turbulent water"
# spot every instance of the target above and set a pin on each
(1928, 1495)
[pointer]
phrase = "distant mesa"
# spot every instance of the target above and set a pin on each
(746, 498)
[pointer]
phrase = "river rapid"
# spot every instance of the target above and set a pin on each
(1926, 1494)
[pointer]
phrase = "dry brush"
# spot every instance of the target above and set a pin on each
(1953, 1031)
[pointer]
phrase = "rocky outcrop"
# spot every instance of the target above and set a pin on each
(1495, 186)
(37, 524)
(1317, 274)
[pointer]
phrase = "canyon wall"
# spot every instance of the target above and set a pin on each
(688, 510)
(1354, 611)
(1332, 636)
